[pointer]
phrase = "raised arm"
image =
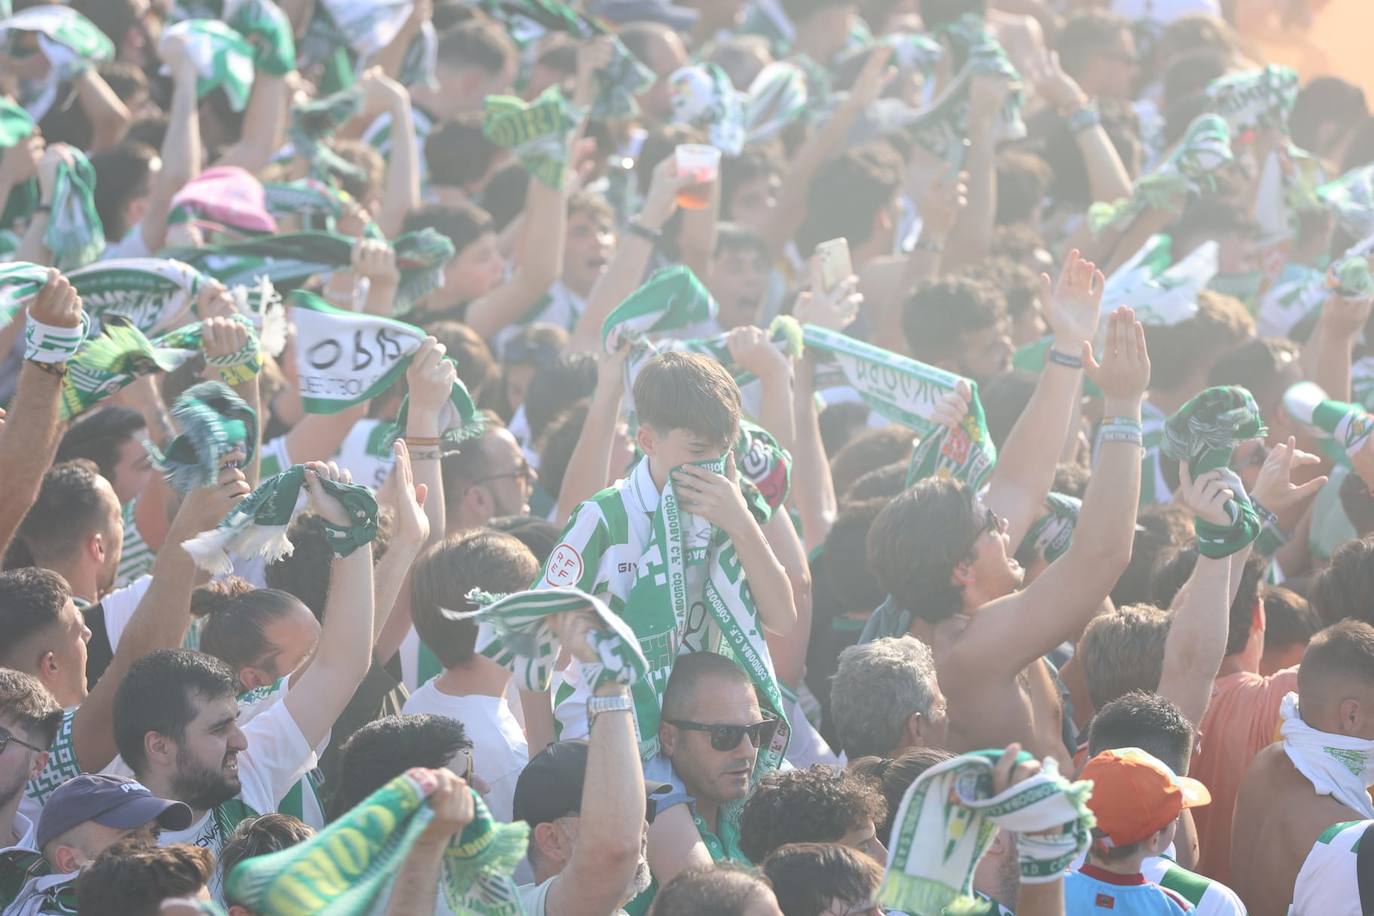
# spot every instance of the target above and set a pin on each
(972, 233)
(181, 150)
(341, 659)
(589, 468)
(29, 437)
(393, 57)
(407, 501)
(401, 193)
(417, 883)
(1326, 356)
(611, 825)
(1198, 628)
(753, 352)
(429, 379)
(264, 125)
(1011, 632)
(626, 270)
(108, 115)
(225, 336)
(161, 619)
(1108, 179)
(1027, 461)
(717, 498)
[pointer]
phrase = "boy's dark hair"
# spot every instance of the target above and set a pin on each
(560, 55)
(462, 224)
(385, 748)
(1191, 73)
(1020, 242)
(122, 173)
(539, 535)
(458, 153)
(892, 776)
(25, 700)
(155, 696)
(688, 391)
(937, 316)
(1221, 322)
(735, 171)
(1173, 572)
(133, 879)
(98, 437)
(1342, 589)
(1358, 504)
(491, 561)
(815, 805)
(259, 836)
(1022, 180)
(881, 483)
(847, 194)
(557, 445)
(1210, 217)
(555, 388)
(31, 598)
(1322, 101)
(1160, 532)
(1342, 653)
(503, 196)
(721, 889)
(844, 562)
(235, 633)
(1019, 284)
(1289, 619)
(1143, 719)
(125, 79)
(1257, 365)
(304, 572)
(874, 448)
(480, 43)
(841, 423)
(113, 17)
(70, 507)
(1123, 651)
(1004, 399)
(807, 877)
(916, 542)
(1084, 37)
(1359, 148)
(151, 129)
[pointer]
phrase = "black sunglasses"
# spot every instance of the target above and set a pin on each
(727, 737)
(6, 738)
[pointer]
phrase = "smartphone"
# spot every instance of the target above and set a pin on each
(835, 264)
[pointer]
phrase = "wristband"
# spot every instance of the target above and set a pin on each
(49, 343)
(423, 440)
(1266, 517)
(1064, 359)
(1130, 437)
(1126, 422)
(429, 454)
(1086, 117)
(651, 235)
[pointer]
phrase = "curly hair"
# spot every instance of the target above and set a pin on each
(130, 879)
(817, 805)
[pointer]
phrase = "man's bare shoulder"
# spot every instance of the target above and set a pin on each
(1274, 784)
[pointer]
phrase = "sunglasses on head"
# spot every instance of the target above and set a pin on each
(6, 737)
(727, 737)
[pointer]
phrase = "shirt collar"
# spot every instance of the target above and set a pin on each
(1111, 877)
(25, 829)
(642, 484)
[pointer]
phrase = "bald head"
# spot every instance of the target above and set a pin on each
(1336, 680)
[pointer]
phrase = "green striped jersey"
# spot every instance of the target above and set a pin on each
(136, 558)
(1328, 883)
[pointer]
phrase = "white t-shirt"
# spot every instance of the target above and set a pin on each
(365, 453)
(499, 749)
(1328, 884)
(277, 756)
(119, 606)
(535, 898)
(131, 246)
(1208, 897)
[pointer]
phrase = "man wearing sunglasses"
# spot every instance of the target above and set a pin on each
(485, 478)
(29, 719)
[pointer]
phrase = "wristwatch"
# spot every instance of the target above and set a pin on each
(597, 705)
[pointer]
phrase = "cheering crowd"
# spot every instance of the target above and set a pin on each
(745, 457)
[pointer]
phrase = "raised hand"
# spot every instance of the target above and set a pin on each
(1052, 84)
(661, 201)
(430, 378)
(874, 78)
(987, 95)
(57, 303)
(1124, 373)
(1006, 772)
(322, 503)
(375, 259)
(213, 301)
(453, 808)
(714, 497)
(406, 500)
(380, 92)
(1074, 301)
(1274, 488)
(222, 337)
(572, 628)
(941, 203)
(952, 406)
(1207, 496)
(751, 349)
(1344, 318)
(834, 309)
(206, 507)
(20, 162)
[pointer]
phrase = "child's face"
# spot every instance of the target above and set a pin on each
(753, 201)
(474, 271)
(739, 281)
(668, 450)
(587, 249)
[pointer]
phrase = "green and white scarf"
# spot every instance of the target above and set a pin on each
(535, 132)
(214, 421)
(1191, 169)
(1052, 534)
(318, 205)
(1205, 431)
(293, 259)
(314, 123)
(74, 235)
(345, 358)
(1343, 429)
(776, 98)
(1352, 198)
(514, 631)
(949, 816)
(906, 392)
(261, 22)
(70, 42)
(223, 58)
(119, 356)
(155, 294)
(703, 98)
(348, 868)
(20, 281)
(1162, 291)
(1350, 278)
(257, 526)
(1255, 99)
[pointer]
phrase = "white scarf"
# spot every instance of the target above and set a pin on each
(1336, 765)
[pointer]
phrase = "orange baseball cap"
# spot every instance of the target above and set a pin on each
(1136, 794)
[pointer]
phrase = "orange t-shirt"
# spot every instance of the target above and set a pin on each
(1241, 720)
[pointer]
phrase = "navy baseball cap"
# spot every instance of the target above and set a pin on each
(111, 801)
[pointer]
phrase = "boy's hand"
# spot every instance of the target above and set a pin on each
(453, 808)
(1124, 373)
(430, 378)
(204, 508)
(1007, 772)
(834, 310)
(1074, 302)
(661, 201)
(375, 260)
(1274, 488)
(406, 501)
(572, 628)
(1208, 495)
(57, 303)
(323, 504)
(750, 347)
(714, 497)
(952, 406)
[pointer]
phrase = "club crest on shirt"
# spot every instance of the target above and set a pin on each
(564, 567)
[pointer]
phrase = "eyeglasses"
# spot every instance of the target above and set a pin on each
(522, 472)
(6, 738)
(727, 737)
